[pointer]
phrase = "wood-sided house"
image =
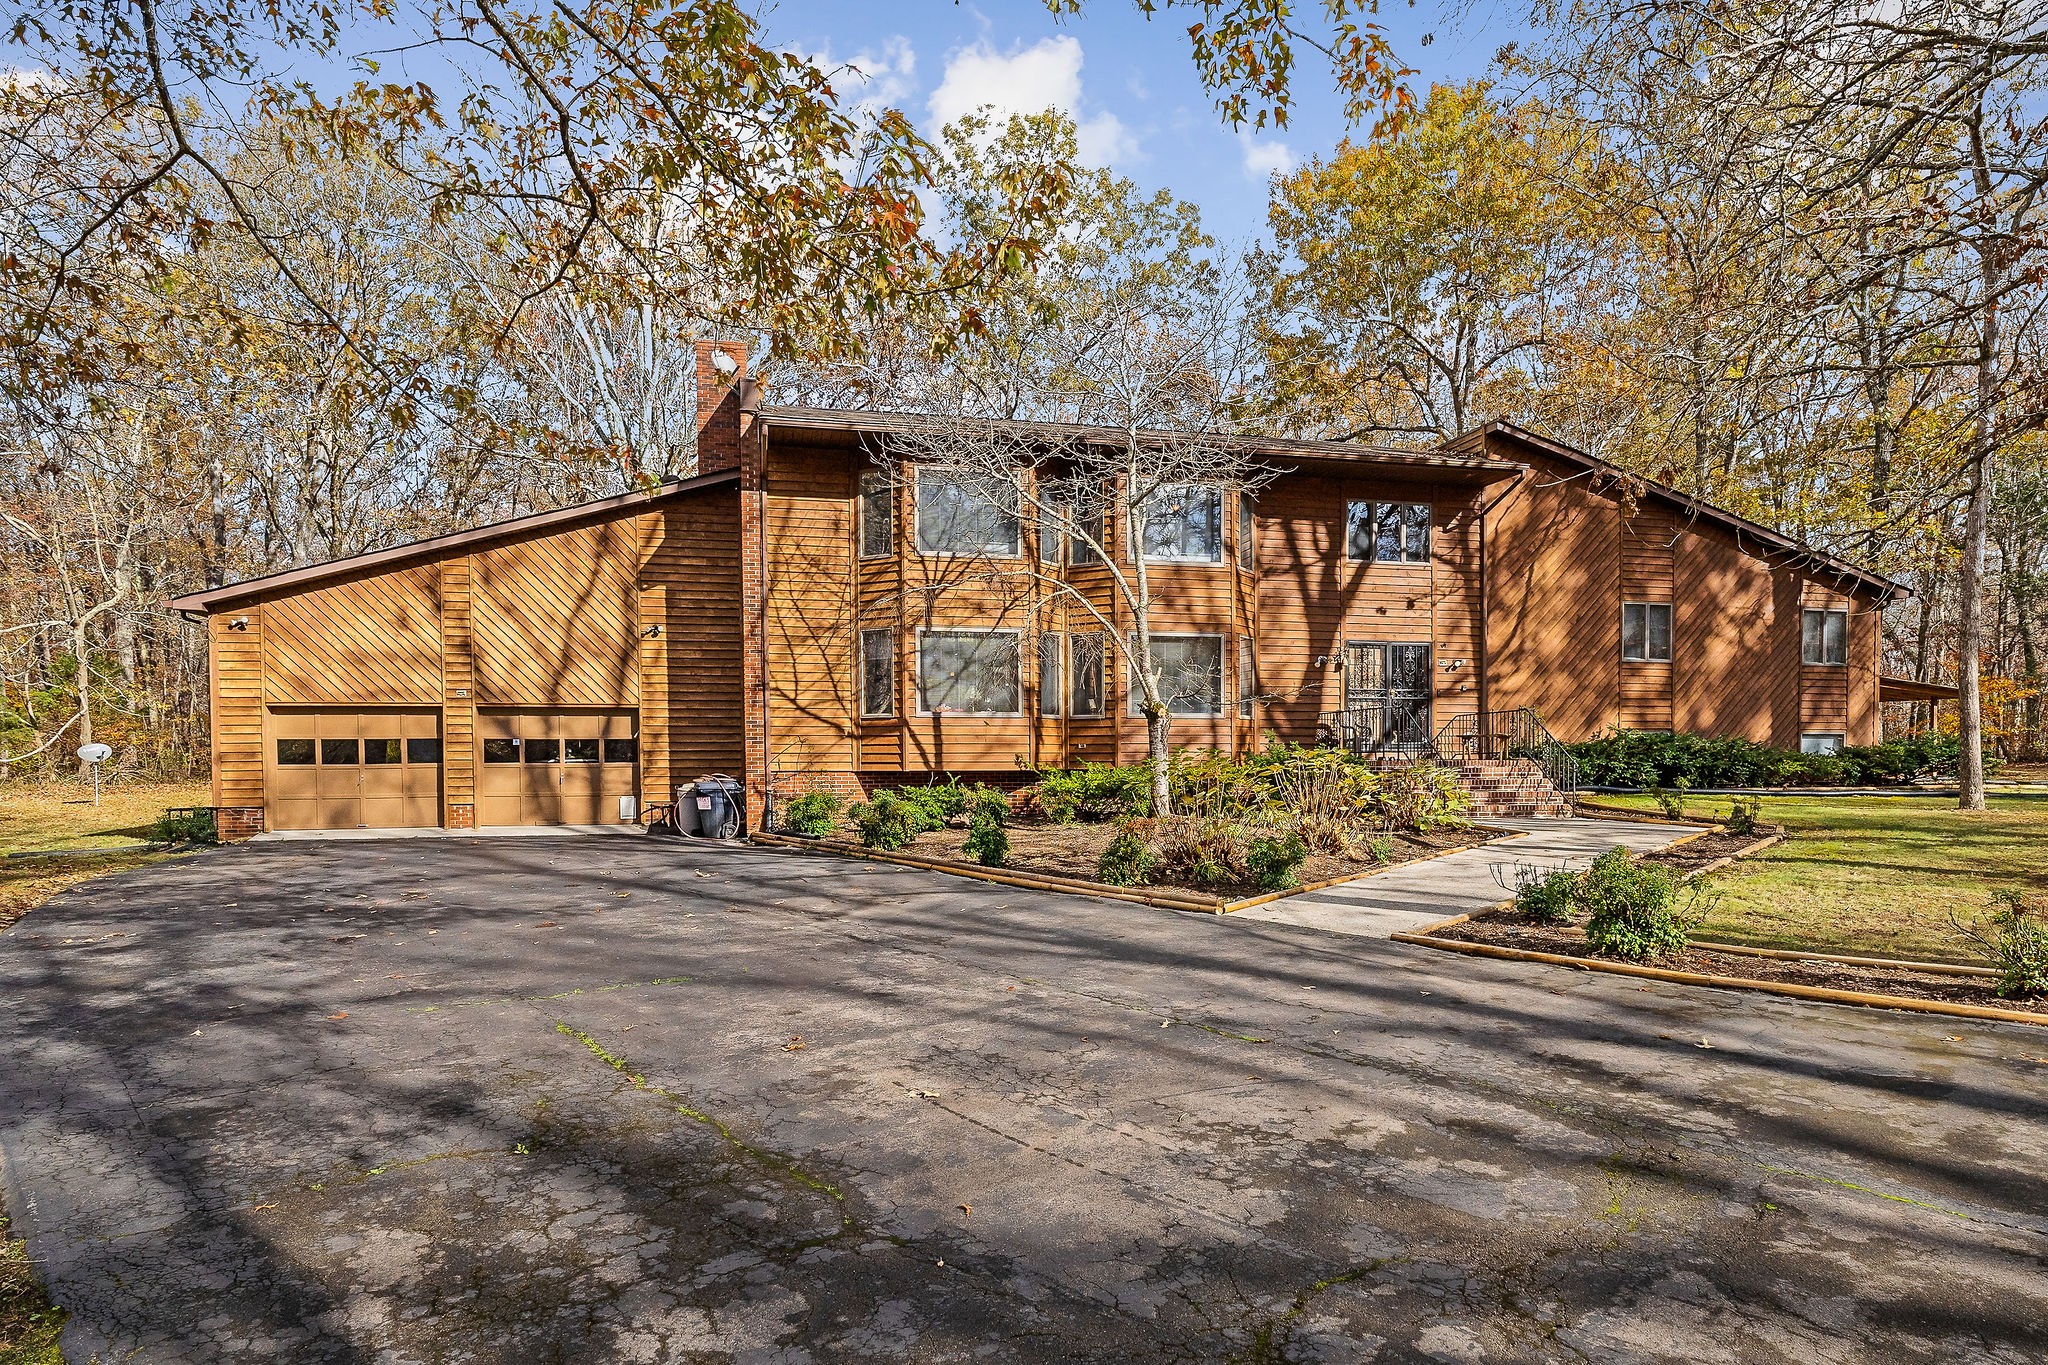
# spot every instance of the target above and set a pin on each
(780, 619)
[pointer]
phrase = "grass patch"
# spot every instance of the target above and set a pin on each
(61, 815)
(29, 1322)
(1878, 874)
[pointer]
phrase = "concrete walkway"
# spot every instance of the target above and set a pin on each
(1406, 898)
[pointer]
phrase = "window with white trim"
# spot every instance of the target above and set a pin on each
(1822, 742)
(969, 673)
(1183, 523)
(1386, 532)
(1190, 675)
(1247, 676)
(878, 673)
(1823, 636)
(877, 516)
(1646, 632)
(1048, 673)
(1085, 675)
(963, 515)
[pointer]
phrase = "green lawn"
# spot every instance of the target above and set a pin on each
(61, 815)
(1879, 874)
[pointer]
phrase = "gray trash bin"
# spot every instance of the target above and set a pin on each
(686, 810)
(720, 804)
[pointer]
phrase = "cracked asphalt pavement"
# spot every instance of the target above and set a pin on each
(533, 1100)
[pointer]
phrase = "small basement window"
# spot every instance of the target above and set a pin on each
(294, 752)
(1825, 742)
(1646, 632)
(501, 751)
(338, 752)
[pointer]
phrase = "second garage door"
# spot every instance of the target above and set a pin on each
(556, 767)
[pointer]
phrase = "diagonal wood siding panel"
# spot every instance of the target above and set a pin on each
(553, 620)
(370, 639)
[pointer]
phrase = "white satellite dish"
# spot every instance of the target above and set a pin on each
(95, 753)
(724, 364)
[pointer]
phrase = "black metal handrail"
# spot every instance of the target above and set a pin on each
(1507, 735)
(1385, 729)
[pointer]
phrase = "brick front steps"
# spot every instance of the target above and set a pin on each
(1510, 787)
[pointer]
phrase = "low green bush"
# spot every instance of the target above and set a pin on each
(1647, 759)
(1200, 850)
(888, 822)
(1745, 815)
(814, 814)
(1545, 897)
(1632, 907)
(1421, 797)
(1381, 847)
(937, 802)
(1126, 862)
(2015, 937)
(1093, 792)
(1274, 862)
(195, 826)
(988, 841)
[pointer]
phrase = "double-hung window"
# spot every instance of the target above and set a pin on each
(1084, 675)
(1048, 673)
(1183, 523)
(960, 514)
(877, 516)
(1386, 532)
(969, 673)
(1190, 674)
(1823, 637)
(878, 673)
(1646, 632)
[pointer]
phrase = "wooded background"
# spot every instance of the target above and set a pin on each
(1790, 257)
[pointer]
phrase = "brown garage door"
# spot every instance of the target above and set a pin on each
(555, 767)
(354, 769)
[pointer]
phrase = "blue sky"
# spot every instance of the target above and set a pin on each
(1129, 82)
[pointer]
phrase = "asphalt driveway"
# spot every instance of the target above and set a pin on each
(620, 1100)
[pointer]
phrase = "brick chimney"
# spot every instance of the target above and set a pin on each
(721, 428)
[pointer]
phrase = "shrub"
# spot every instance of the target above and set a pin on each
(1545, 897)
(1672, 803)
(988, 842)
(2015, 938)
(1745, 815)
(1275, 862)
(887, 822)
(181, 826)
(1093, 792)
(1331, 796)
(1632, 907)
(936, 802)
(1421, 797)
(1381, 847)
(1642, 759)
(1200, 850)
(813, 813)
(1126, 862)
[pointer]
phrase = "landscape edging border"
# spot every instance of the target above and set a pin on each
(1045, 881)
(1826, 994)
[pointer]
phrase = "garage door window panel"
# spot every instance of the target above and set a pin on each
(295, 752)
(335, 753)
(543, 750)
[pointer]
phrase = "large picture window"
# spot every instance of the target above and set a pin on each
(969, 673)
(1646, 632)
(1190, 674)
(1386, 532)
(877, 516)
(1048, 673)
(1824, 637)
(878, 673)
(1184, 522)
(962, 515)
(1085, 675)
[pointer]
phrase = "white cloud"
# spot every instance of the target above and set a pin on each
(1263, 159)
(1046, 75)
(872, 81)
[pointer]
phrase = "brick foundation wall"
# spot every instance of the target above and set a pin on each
(237, 822)
(461, 817)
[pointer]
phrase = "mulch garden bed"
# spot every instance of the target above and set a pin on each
(1073, 850)
(1708, 848)
(1508, 932)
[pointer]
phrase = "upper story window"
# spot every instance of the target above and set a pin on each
(1823, 637)
(1190, 674)
(969, 673)
(877, 516)
(1091, 528)
(1184, 523)
(1387, 532)
(1646, 632)
(1051, 517)
(1247, 526)
(961, 515)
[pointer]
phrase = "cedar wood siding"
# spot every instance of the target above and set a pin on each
(1567, 547)
(809, 613)
(555, 620)
(1312, 599)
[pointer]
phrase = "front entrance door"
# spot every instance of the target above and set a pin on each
(555, 767)
(331, 769)
(1387, 690)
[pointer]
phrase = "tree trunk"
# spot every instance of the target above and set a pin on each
(1157, 729)
(1970, 698)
